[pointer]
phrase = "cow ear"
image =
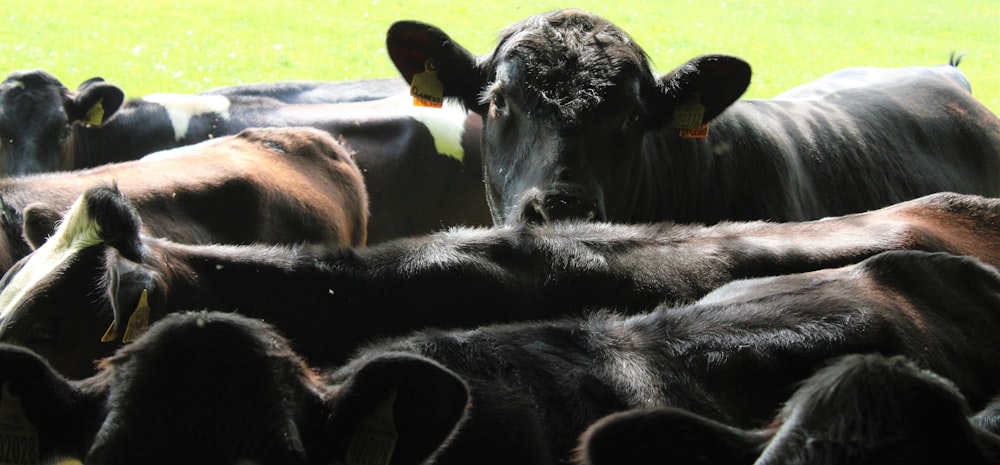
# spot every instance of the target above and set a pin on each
(129, 287)
(665, 435)
(39, 223)
(117, 221)
(709, 84)
(94, 102)
(399, 408)
(423, 52)
(50, 415)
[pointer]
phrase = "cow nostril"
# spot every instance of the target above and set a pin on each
(547, 209)
(533, 213)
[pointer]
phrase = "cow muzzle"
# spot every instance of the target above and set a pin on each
(547, 207)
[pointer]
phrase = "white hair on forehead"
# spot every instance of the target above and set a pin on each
(76, 231)
(8, 85)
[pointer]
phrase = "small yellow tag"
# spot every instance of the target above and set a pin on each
(375, 440)
(18, 437)
(111, 334)
(95, 115)
(426, 88)
(688, 115)
(138, 323)
(696, 133)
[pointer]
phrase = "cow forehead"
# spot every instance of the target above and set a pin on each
(567, 63)
(77, 232)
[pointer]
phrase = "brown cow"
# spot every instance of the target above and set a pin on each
(261, 186)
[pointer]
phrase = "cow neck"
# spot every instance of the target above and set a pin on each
(138, 129)
(679, 179)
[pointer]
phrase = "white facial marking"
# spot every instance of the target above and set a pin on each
(182, 107)
(446, 124)
(77, 231)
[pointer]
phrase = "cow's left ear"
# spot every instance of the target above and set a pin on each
(397, 408)
(39, 222)
(665, 435)
(423, 52)
(704, 86)
(94, 102)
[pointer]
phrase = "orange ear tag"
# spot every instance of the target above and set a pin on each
(700, 132)
(688, 118)
(426, 88)
(17, 435)
(375, 439)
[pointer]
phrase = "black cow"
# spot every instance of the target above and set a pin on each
(863, 409)
(421, 165)
(578, 126)
(458, 278)
(219, 388)
(280, 185)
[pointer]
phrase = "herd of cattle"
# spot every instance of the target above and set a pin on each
(557, 256)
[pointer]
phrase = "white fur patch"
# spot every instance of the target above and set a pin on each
(181, 108)
(446, 124)
(77, 231)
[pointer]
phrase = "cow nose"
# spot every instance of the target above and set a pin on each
(542, 209)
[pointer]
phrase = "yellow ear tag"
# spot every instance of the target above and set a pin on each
(688, 116)
(138, 323)
(375, 440)
(111, 334)
(95, 115)
(18, 437)
(426, 88)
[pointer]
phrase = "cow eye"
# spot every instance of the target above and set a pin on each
(42, 334)
(498, 102)
(630, 121)
(64, 134)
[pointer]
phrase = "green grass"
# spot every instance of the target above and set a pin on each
(189, 46)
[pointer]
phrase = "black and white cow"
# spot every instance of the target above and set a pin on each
(60, 300)
(317, 91)
(862, 409)
(421, 165)
(578, 126)
(222, 388)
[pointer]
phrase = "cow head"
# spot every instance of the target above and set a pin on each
(207, 387)
(95, 252)
(37, 114)
(862, 409)
(567, 98)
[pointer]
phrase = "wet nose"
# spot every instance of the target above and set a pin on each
(547, 208)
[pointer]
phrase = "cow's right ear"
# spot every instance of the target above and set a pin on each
(94, 102)
(39, 222)
(665, 435)
(424, 52)
(46, 416)
(699, 90)
(396, 407)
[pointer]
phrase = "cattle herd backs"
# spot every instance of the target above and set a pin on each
(544, 254)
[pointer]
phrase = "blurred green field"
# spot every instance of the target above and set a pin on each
(190, 46)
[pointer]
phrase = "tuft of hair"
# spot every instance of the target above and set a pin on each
(955, 58)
